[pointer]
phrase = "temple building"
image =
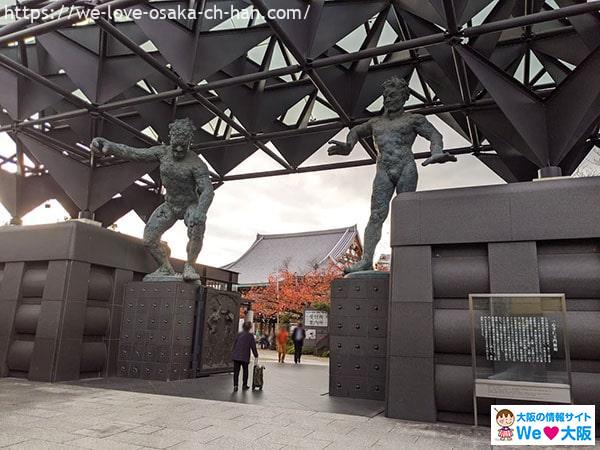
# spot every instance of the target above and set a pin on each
(298, 252)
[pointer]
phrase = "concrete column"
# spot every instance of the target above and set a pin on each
(10, 292)
(411, 367)
(68, 357)
(48, 328)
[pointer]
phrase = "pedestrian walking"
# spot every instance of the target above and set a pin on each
(244, 343)
(282, 337)
(298, 337)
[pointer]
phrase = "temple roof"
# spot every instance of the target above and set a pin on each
(299, 252)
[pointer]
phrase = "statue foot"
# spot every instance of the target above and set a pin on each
(163, 271)
(189, 273)
(363, 264)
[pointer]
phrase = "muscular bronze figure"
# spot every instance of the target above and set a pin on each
(189, 193)
(393, 134)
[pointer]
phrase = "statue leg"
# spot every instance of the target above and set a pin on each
(196, 239)
(383, 190)
(160, 221)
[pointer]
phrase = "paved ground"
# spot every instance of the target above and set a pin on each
(60, 416)
(304, 386)
(291, 412)
(271, 355)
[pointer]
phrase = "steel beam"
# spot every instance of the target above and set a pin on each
(185, 88)
(327, 124)
(342, 165)
(531, 19)
(233, 81)
(19, 69)
(461, 73)
(306, 66)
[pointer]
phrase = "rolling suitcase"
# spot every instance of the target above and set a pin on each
(257, 376)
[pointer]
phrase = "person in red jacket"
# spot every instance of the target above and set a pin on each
(282, 338)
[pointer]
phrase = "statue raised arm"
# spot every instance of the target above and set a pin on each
(126, 152)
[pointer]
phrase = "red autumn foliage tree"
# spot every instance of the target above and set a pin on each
(288, 292)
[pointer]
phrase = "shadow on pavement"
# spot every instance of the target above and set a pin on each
(298, 386)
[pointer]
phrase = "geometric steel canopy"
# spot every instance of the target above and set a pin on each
(517, 79)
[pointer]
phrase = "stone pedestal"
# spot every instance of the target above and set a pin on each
(61, 297)
(533, 237)
(357, 337)
(176, 330)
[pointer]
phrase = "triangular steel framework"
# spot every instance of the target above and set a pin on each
(517, 79)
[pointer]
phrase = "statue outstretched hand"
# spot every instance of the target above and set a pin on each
(339, 148)
(439, 158)
(100, 144)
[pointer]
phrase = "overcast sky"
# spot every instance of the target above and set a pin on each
(292, 203)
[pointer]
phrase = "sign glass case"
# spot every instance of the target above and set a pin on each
(518, 337)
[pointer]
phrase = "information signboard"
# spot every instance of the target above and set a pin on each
(315, 318)
(519, 347)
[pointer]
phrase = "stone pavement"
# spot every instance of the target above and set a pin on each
(271, 355)
(304, 386)
(60, 416)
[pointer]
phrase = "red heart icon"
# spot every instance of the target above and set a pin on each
(551, 432)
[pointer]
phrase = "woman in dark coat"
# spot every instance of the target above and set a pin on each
(244, 343)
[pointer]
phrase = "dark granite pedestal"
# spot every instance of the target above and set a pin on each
(542, 236)
(176, 330)
(357, 337)
(61, 298)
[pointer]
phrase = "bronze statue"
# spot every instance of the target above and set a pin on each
(393, 133)
(189, 193)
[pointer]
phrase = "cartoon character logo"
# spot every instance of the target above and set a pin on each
(505, 418)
